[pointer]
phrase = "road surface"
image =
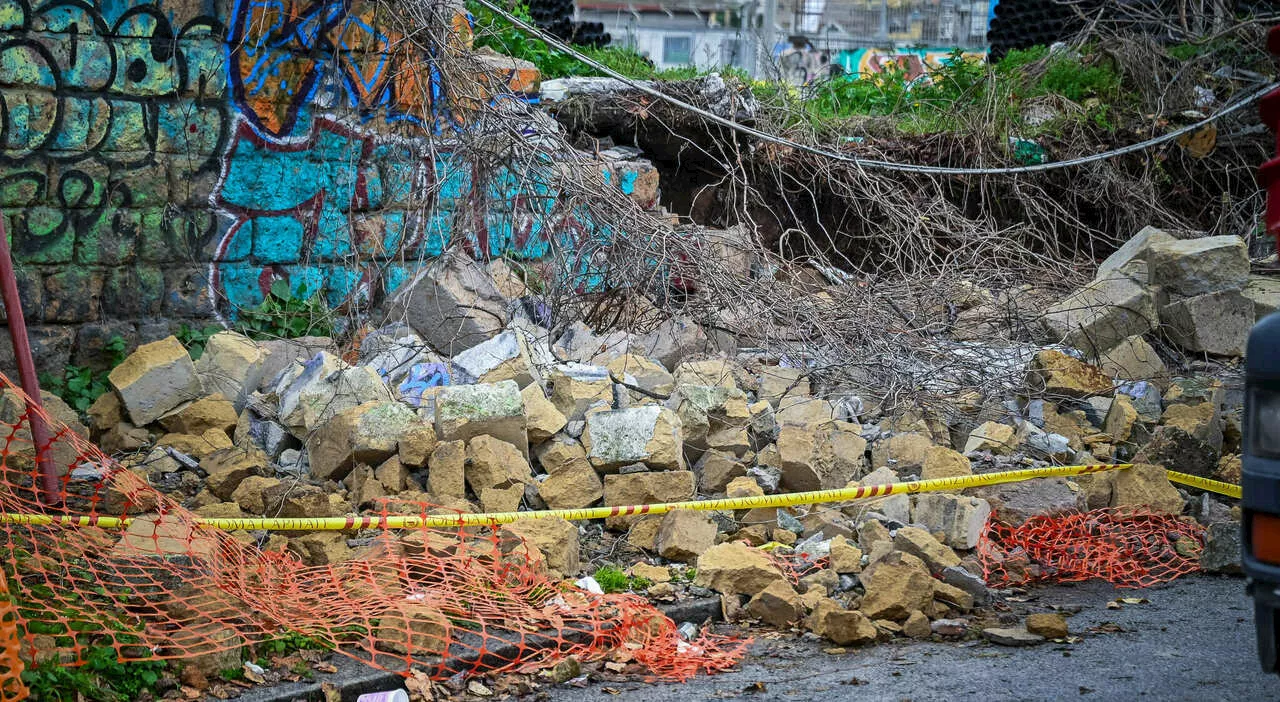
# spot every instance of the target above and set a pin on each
(1193, 641)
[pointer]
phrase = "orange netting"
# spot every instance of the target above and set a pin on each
(1124, 546)
(11, 687)
(451, 602)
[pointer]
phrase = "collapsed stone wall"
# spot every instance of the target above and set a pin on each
(165, 161)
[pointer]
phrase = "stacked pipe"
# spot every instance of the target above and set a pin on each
(1021, 24)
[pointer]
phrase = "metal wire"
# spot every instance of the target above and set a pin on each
(872, 163)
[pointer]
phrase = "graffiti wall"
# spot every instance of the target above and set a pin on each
(168, 160)
(915, 62)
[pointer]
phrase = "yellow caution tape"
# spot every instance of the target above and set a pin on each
(1228, 489)
(848, 494)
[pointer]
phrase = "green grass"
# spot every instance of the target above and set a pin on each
(613, 580)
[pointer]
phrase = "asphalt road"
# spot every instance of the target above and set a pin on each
(1193, 641)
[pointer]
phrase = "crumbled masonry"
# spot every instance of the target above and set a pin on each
(310, 440)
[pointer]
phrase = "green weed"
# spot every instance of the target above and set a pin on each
(195, 338)
(613, 580)
(286, 314)
(103, 678)
(81, 386)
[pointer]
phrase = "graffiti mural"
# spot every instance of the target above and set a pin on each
(175, 158)
(94, 106)
(916, 63)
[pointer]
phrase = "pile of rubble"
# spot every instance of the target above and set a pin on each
(468, 404)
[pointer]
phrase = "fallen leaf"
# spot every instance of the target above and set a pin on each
(755, 687)
(478, 689)
(615, 667)
(833, 651)
(611, 691)
(1135, 600)
(325, 667)
(331, 692)
(1113, 604)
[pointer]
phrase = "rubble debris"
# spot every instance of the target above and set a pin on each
(155, 379)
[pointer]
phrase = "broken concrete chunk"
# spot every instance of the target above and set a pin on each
(228, 467)
(446, 472)
(777, 605)
(581, 344)
(1146, 485)
(452, 303)
(416, 444)
(644, 373)
(504, 357)
(154, 379)
(991, 436)
(1134, 250)
(1058, 375)
(842, 626)
(817, 457)
(776, 382)
(494, 463)
(735, 568)
(1198, 266)
(573, 486)
(497, 410)
(1264, 290)
(321, 548)
(1173, 448)
(213, 412)
(369, 433)
(1133, 359)
(1102, 314)
(716, 372)
(922, 545)
(715, 469)
(1216, 323)
(556, 538)
(643, 489)
(944, 462)
(684, 534)
(845, 557)
(896, 588)
(322, 388)
(904, 453)
(575, 388)
(542, 419)
(1201, 421)
(1222, 548)
(804, 411)
(1050, 626)
(1012, 636)
(1015, 503)
(232, 364)
(650, 434)
(674, 340)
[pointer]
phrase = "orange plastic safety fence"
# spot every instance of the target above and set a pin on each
(1127, 547)
(448, 601)
(11, 687)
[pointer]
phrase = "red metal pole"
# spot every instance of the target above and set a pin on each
(52, 495)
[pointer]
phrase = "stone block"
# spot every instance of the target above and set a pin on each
(649, 434)
(231, 364)
(497, 410)
(1216, 323)
(1191, 267)
(1102, 314)
(155, 379)
(452, 303)
(959, 518)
